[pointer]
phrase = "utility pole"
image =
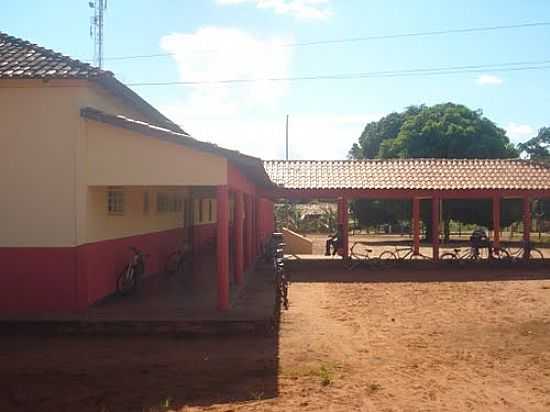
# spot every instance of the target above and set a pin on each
(286, 146)
(96, 29)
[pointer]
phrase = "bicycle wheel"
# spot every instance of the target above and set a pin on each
(501, 254)
(449, 258)
(127, 280)
(284, 294)
(536, 254)
(387, 258)
(419, 257)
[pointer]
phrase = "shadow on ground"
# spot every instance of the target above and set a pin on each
(139, 372)
(134, 373)
(418, 273)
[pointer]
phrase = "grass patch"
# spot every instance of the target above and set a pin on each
(326, 376)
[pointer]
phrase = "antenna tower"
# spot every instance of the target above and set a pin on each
(96, 29)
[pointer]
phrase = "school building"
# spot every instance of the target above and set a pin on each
(89, 169)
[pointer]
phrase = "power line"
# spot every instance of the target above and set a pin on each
(478, 29)
(419, 72)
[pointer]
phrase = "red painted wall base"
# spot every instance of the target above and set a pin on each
(37, 279)
(70, 279)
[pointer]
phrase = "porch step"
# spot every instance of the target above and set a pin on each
(139, 328)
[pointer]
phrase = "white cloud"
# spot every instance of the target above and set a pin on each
(311, 135)
(519, 132)
(301, 9)
(250, 117)
(214, 53)
(489, 80)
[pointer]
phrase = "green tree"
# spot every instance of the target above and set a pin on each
(442, 131)
(538, 147)
(375, 133)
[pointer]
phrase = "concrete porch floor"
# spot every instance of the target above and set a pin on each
(180, 303)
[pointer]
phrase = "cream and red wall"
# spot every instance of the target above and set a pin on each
(56, 237)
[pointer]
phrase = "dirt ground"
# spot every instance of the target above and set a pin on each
(344, 345)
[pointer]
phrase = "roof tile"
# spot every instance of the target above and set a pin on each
(412, 174)
(20, 59)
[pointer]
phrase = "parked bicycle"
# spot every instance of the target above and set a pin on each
(128, 279)
(473, 253)
(281, 276)
(400, 254)
(359, 256)
(526, 251)
(177, 262)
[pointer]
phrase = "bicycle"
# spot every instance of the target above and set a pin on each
(177, 261)
(475, 253)
(389, 257)
(526, 251)
(359, 255)
(128, 279)
(281, 277)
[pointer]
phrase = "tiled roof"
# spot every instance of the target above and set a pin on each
(20, 59)
(410, 174)
(250, 166)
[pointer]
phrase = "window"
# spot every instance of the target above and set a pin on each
(178, 203)
(200, 211)
(116, 201)
(187, 213)
(163, 203)
(146, 203)
(210, 210)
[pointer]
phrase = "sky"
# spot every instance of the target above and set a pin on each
(213, 40)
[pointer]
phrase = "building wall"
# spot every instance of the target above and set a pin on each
(116, 156)
(139, 217)
(63, 249)
(37, 164)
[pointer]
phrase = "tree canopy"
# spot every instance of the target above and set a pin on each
(442, 131)
(538, 147)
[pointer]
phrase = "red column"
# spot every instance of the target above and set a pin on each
(246, 232)
(253, 227)
(416, 225)
(222, 246)
(343, 219)
(258, 225)
(496, 221)
(435, 227)
(238, 233)
(526, 219)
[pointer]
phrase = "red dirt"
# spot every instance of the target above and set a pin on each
(342, 346)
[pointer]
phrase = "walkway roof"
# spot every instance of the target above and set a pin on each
(410, 174)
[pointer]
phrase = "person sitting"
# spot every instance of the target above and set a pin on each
(334, 241)
(479, 239)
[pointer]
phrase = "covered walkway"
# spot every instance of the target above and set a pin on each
(416, 180)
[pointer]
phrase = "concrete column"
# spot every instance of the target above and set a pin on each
(253, 227)
(258, 225)
(526, 219)
(436, 203)
(222, 246)
(246, 232)
(343, 219)
(416, 225)
(496, 221)
(238, 237)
